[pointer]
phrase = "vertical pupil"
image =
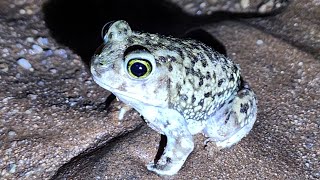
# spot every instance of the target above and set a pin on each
(138, 69)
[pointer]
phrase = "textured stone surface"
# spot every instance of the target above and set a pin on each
(201, 7)
(52, 111)
(298, 25)
(53, 116)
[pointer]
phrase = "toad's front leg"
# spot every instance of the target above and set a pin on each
(179, 146)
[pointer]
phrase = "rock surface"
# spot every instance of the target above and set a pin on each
(56, 123)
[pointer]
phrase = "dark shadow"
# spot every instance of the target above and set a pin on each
(78, 24)
(162, 146)
(206, 38)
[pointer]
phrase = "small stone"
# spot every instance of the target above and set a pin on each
(5, 50)
(12, 134)
(37, 49)
(53, 70)
(259, 42)
(19, 46)
(24, 63)
(30, 39)
(22, 52)
(18, 76)
(22, 11)
(4, 67)
(266, 7)
(203, 5)
(61, 52)
(48, 52)
(40, 83)
(300, 64)
(245, 3)
(12, 168)
(43, 41)
(29, 11)
(32, 96)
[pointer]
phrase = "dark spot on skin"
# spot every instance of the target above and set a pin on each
(125, 30)
(168, 160)
(208, 94)
(243, 93)
(230, 102)
(204, 63)
(166, 124)
(184, 97)
(172, 58)
(208, 76)
(147, 42)
(220, 82)
(213, 77)
(170, 68)
(227, 119)
(180, 53)
(201, 102)
(200, 82)
(244, 108)
(222, 104)
(184, 81)
(196, 59)
(231, 78)
(193, 99)
(130, 41)
(162, 59)
(234, 68)
(122, 87)
(188, 71)
(178, 87)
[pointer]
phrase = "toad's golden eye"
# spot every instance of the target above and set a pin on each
(139, 68)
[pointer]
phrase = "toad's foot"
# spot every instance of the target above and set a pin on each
(179, 145)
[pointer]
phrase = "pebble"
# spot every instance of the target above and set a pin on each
(4, 67)
(203, 5)
(12, 168)
(19, 46)
(32, 96)
(30, 39)
(24, 63)
(53, 70)
(37, 49)
(12, 134)
(40, 83)
(48, 52)
(22, 11)
(259, 42)
(61, 52)
(245, 3)
(22, 52)
(43, 41)
(266, 7)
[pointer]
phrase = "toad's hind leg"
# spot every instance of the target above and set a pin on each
(234, 120)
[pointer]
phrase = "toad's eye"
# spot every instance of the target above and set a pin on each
(139, 68)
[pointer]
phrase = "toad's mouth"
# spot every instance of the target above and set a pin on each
(126, 97)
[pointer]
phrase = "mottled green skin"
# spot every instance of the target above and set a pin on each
(191, 89)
